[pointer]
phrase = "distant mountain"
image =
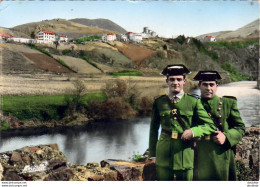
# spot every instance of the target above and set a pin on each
(105, 24)
(60, 26)
(250, 30)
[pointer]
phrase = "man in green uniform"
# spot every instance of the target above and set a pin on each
(177, 113)
(216, 160)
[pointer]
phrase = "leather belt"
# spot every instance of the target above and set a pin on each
(208, 137)
(173, 135)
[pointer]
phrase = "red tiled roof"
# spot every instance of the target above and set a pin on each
(209, 37)
(110, 34)
(6, 35)
(49, 32)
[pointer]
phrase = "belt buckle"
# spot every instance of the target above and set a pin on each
(174, 135)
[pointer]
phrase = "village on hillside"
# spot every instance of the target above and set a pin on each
(49, 37)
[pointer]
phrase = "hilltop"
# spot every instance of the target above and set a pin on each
(104, 24)
(250, 30)
(60, 26)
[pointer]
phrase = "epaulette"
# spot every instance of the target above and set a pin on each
(157, 97)
(232, 97)
(194, 95)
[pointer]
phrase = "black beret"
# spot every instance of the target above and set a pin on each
(176, 69)
(207, 76)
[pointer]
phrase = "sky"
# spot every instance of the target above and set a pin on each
(167, 18)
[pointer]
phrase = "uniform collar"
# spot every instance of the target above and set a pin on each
(179, 95)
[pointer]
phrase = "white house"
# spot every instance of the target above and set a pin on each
(209, 38)
(63, 39)
(5, 36)
(46, 37)
(22, 40)
(108, 37)
(135, 37)
(123, 38)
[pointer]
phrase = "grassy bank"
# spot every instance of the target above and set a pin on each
(234, 74)
(236, 44)
(127, 73)
(42, 107)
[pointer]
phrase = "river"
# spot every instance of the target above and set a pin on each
(123, 139)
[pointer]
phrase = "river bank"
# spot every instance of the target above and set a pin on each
(48, 163)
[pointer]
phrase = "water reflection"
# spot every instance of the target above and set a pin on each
(115, 140)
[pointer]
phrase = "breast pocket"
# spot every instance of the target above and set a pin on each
(186, 116)
(165, 119)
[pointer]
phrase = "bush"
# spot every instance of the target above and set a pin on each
(236, 44)
(117, 108)
(116, 89)
(213, 55)
(181, 39)
(4, 126)
(145, 106)
(65, 52)
(234, 74)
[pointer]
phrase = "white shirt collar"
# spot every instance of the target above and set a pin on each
(179, 95)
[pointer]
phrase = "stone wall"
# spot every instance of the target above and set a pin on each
(48, 163)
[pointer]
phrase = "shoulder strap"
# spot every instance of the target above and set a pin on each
(194, 95)
(232, 97)
(175, 115)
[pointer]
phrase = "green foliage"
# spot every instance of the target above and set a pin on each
(136, 157)
(42, 107)
(84, 57)
(181, 39)
(4, 126)
(126, 73)
(65, 52)
(88, 38)
(32, 46)
(203, 50)
(235, 44)
(64, 64)
(233, 72)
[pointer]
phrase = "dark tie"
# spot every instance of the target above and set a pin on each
(175, 99)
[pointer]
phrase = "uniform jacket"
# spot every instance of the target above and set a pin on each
(173, 153)
(217, 162)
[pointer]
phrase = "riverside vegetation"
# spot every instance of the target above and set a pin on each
(120, 99)
(117, 101)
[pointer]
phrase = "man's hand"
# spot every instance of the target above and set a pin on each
(220, 138)
(187, 135)
(153, 159)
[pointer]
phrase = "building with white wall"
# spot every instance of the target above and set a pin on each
(47, 37)
(209, 38)
(21, 40)
(108, 37)
(63, 39)
(5, 36)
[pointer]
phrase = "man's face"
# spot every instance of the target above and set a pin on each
(175, 83)
(208, 89)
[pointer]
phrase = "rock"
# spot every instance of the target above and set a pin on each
(1, 171)
(11, 175)
(131, 171)
(31, 149)
(61, 174)
(16, 157)
(56, 163)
